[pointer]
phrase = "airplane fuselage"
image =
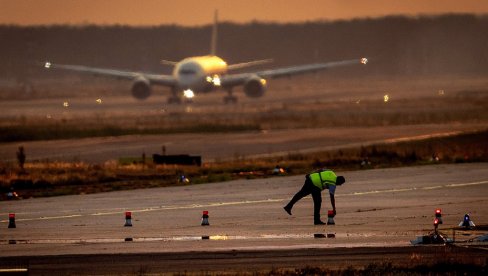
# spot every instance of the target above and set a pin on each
(199, 74)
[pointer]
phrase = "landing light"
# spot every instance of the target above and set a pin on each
(99, 101)
(66, 104)
(47, 65)
(216, 80)
(386, 98)
(188, 93)
(364, 60)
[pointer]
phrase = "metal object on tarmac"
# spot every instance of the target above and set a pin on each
(323, 236)
(467, 222)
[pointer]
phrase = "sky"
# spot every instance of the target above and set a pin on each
(200, 12)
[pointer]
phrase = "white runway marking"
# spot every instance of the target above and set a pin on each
(270, 200)
(151, 209)
(415, 188)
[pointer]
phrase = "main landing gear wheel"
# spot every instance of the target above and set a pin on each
(230, 100)
(174, 100)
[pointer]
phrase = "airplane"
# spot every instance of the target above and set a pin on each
(204, 74)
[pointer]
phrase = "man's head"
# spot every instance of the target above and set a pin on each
(340, 180)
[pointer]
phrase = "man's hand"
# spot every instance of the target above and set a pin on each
(335, 212)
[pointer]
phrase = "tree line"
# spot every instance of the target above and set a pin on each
(428, 45)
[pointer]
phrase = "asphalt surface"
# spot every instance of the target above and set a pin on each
(226, 146)
(382, 208)
(242, 261)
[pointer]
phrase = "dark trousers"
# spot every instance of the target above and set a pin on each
(309, 188)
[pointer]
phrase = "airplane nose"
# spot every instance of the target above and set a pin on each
(187, 82)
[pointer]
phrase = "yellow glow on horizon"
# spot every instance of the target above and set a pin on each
(197, 12)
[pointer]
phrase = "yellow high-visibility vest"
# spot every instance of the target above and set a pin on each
(323, 178)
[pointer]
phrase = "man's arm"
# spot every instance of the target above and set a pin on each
(332, 202)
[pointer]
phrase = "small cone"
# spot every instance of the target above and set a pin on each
(128, 219)
(330, 217)
(205, 218)
(466, 222)
(11, 221)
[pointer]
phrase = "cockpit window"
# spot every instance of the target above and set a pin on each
(187, 72)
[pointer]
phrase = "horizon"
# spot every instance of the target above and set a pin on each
(195, 13)
(262, 22)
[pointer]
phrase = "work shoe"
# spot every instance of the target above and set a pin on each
(287, 209)
(319, 222)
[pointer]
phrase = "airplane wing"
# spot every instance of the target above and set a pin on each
(238, 79)
(248, 64)
(165, 80)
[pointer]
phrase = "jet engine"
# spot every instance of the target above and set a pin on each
(255, 87)
(141, 88)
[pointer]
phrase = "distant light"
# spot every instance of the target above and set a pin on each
(209, 79)
(386, 98)
(99, 101)
(66, 104)
(441, 92)
(48, 116)
(188, 93)
(263, 81)
(358, 101)
(364, 61)
(47, 65)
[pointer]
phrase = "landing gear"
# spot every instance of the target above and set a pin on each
(230, 99)
(174, 100)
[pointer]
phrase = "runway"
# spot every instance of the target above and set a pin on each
(227, 146)
(376, 208)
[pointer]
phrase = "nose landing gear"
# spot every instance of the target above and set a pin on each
(230, 99)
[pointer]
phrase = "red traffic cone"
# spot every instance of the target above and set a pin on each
(205, 218)
(128, 219)
(11, 221)
(330, 219)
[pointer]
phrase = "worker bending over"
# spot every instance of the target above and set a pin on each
(314, 184)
